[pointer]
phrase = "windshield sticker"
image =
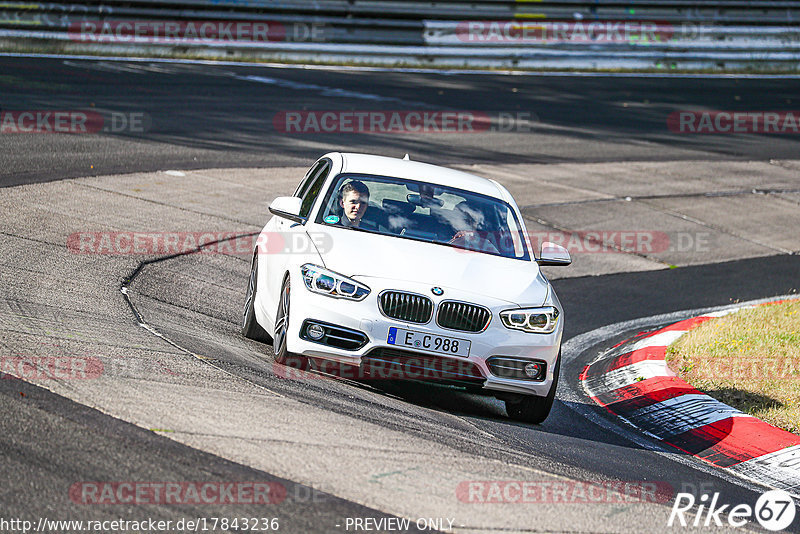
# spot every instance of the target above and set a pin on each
(331, 219)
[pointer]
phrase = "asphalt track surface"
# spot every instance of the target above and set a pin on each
(203, 117)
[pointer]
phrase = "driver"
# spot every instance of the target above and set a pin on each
(472, 227)
(353, 199)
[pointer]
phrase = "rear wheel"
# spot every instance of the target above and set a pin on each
(534, 409)
(250, 327)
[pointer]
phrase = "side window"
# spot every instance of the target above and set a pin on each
(315, 182)
(312, 172)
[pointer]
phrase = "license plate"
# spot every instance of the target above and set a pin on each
(428, 342)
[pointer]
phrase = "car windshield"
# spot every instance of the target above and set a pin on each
(424, 212)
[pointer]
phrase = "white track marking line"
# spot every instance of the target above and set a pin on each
(445, 72)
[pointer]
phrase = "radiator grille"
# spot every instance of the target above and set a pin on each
(462, 316)
(407, 307)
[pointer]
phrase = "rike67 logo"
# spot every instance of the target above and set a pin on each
(774, 510)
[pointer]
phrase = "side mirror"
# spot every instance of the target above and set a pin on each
(287, 208)
(554, 255)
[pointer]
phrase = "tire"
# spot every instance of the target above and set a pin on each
(279, 345)
(533, 409)
(250, 327)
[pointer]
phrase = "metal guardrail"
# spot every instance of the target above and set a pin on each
(727, 11)
(735, 34)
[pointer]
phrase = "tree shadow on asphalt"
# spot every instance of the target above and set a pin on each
(458, 402)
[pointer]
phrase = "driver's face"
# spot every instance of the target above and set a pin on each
(354, 205)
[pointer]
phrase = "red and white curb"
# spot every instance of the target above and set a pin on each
(633, 381)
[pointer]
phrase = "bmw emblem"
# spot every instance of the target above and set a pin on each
(438, 291)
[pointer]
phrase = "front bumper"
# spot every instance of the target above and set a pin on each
(365, 317)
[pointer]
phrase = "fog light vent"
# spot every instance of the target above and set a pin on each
(533, 370)
(332, 335)
(517, 368)
(315, 331)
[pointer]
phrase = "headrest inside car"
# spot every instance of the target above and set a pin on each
(397, 207)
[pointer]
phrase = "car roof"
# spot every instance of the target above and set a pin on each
(423, 172)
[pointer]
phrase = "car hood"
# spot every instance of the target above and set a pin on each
(361, 254)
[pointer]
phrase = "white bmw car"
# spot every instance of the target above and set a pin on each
(405, 270)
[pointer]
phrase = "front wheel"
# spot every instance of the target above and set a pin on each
(279, 343)
(250, 327)
(533, 409)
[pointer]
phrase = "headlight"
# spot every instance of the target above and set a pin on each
(537, 320)
(321, 280)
